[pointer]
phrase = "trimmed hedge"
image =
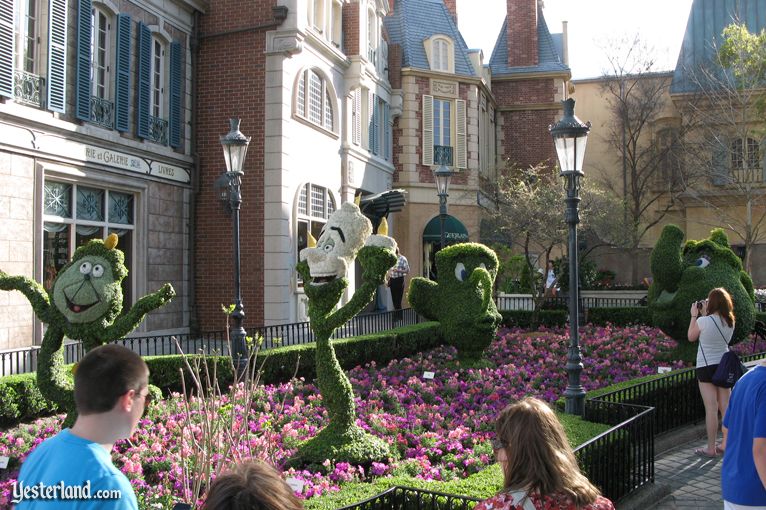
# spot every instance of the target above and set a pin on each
(21, 400)
(524, 318)
(620, 316)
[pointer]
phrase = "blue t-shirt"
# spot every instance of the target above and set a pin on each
(746, 419)
(67, 466)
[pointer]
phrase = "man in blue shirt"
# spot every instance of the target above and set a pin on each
(74, 469)
(743, 473)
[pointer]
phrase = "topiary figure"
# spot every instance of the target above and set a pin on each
(461, 300)
(686, 273)
(84, 303)
(323, 269)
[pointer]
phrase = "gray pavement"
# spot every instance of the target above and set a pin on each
(694, 482)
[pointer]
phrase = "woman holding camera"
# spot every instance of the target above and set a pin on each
(712, 323)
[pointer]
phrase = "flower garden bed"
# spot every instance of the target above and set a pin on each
(438, 427)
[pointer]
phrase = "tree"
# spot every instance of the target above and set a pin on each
(647, 170)
(725, 118)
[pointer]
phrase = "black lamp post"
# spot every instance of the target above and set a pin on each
(442, 175)
(234, 152)
(569, 136)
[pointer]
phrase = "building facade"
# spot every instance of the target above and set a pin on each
(95, 138)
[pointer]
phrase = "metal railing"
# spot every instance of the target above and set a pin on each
(19, 361)
(28, 88)
(158, 130)
(524, 302)
(409, 498)
(102, 112)
(620, 460)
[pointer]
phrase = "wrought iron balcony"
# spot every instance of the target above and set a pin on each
(28, 88)
(442, 155)
(102, 112)
(158, 130)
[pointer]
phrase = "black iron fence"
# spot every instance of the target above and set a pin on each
(408, 498)
(24, 360)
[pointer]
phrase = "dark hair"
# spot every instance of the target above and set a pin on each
(104, 375)
(251, 485)
(539, 456)
(719, 301)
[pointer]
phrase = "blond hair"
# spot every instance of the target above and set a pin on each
(539, 456)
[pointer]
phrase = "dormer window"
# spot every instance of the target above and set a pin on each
(441, 53)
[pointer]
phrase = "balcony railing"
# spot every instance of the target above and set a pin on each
(442, 155)
(158, 130)
(28, 88)
(102, 112)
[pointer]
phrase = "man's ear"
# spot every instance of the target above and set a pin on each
(127, 400)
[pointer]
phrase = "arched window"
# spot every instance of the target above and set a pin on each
(440, 55)
(745, 154)
(315, 205)
(314, 101)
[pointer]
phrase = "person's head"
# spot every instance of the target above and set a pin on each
(533, 451)
(251, 485)
(112, 378)
(719, 302)
(550, 264)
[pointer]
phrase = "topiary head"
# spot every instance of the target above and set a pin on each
(88, 288)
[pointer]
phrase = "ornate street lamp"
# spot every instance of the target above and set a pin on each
(569, 136)
(442, 175)
(234, 152)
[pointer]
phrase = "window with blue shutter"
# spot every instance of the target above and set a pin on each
(82, 96)
(144, 80)
(122, 80)
(6, 48)
(176, 76)
(57, 46)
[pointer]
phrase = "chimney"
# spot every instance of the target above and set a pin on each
(522, 32)
(391, 6)
(451, 6)
(565, 41)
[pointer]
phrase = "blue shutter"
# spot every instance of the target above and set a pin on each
(721, 162)
(122, 77)
(144, 79)
(6, 48)
(84, 28)
(57, 46)
(176, 76)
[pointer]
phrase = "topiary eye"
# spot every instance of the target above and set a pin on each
(702, 262)
(460, 272)
(98, 271)
(85, 267)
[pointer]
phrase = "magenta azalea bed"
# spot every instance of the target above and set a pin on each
(439, 426)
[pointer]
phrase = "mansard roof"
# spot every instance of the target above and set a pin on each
(548, 52)
(414, 21)
(707, 19)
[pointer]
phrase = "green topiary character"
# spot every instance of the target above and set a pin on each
(323, 269)
(684, 274)
(83, 304)
(461, 300)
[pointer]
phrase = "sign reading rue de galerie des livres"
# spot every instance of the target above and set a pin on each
(132, 163)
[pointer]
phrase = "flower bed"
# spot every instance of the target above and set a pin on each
(439, 427)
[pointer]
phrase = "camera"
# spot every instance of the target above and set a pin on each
(700, 304)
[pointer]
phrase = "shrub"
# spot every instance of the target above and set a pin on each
(20, 399)
(622, 316)
(524, 318)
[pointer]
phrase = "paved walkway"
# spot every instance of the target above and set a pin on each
(695, 482)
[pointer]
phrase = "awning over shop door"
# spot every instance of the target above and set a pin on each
(454, 231)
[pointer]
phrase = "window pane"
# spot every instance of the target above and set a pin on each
(737, 158)
(125, 244)
(330, 204)
(303, 201)
(302, 95)
(315, 99)
(58, 199)
(446, 124)
(90, 204)
(752, 154)
(327, 112)
(303, 240)
(437, 122)
(317, 202)
(120, 208)
(84, 233)
(55, 251)
(316, 228)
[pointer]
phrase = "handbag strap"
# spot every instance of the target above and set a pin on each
(719, 330)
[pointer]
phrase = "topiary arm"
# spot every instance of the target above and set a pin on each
(375, 262)
(747, 283)
(666, 261)
(128, 322)
(33, 291)
(303, 270)
(422, 296)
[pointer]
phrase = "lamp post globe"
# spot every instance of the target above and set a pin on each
(570, 136)
(442, 176)
(235, 145)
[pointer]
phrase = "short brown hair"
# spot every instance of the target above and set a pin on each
(105, 374)
(251, 485)
(539, 456)
(719, 301)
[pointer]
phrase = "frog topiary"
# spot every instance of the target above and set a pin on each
(461, 299)
(84, 303)
(684, 273)
(323, 269)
